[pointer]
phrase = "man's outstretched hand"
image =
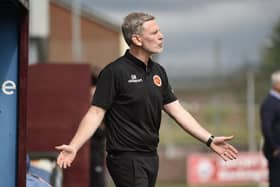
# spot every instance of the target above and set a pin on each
(66, 156)
(221, 147)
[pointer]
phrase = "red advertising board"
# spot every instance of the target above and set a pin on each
(211, 169)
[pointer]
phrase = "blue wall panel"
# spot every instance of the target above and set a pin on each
(8, 97)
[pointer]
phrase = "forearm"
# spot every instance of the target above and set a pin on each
(188, 123)
(90, 122)
(218, 144)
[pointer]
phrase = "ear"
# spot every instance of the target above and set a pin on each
(136, 39)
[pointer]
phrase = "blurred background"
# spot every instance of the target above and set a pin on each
(218, 54)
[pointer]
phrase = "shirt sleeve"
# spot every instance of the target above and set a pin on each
(168, 93)
(106, 89)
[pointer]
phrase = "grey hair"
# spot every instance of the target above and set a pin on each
(275, 77)
(133, 23)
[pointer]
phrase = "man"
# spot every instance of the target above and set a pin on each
(270, 120)
(129, 97)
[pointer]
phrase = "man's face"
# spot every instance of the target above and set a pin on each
(276, 87)
(151, 38)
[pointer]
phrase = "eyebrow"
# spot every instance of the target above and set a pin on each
(156, 31)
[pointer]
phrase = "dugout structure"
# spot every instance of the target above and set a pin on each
(13, 79)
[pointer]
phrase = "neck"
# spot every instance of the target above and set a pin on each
(276, 90)
(140, 54)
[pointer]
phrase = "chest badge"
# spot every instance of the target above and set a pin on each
(157, 80)
(133, 79)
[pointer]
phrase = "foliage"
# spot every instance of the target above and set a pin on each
(270, 63)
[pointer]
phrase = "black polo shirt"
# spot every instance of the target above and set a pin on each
(133, 95)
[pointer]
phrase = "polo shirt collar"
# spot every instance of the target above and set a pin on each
(275, 94)
(138, 62)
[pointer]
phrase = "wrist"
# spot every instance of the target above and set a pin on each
(210, 140)
(74, 147)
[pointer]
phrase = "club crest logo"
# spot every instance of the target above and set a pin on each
(157, 80)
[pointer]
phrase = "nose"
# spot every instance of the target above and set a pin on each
(161, 37)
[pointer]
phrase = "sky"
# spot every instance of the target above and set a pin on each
(203, 37)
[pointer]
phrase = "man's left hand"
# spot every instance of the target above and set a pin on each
(221, 147)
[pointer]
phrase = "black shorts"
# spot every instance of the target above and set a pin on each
(133, 169)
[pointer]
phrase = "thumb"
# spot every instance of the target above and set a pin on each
(220, 139)
(61, 147)
(227, 138)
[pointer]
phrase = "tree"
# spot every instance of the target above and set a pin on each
(270, 63)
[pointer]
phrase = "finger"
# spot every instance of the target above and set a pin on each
(232, 149)
(227, 138)
(232, 154)
(223, 157)
(60, 163)
(228, 155)
(58, 160)
(69, 164)
(222, 139)
(68, 161)
(65, 165)
(65, 148)
(60, 147)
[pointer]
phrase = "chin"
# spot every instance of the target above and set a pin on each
(158, 51)
(154, 51)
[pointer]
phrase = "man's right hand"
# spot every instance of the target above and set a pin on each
(66, 156)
